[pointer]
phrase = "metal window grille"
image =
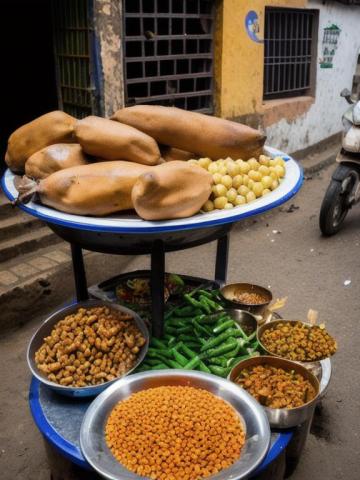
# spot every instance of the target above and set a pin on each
(73, 57)
(289, 51)
(168, 53)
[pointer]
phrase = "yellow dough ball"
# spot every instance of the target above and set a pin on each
(264, 170)
(274, 184)
(219, 190)
(237, 181)
(258, 189)
(192, 162)
(228, 206)
(267, 181)
(240, 200)
(208, 206)
(244, 167)
(231, 195)
(204, 162)
(217, 178)
(213, 168)
(272, 163)
(280, 171)
(264, 160)
(253, 164)
(265, 191)
(279, 161)
(222, 169)
(243, 190)
(220, 202)
(245, 179)
(250, 197)
(233, 169)
(227, 181)
(250, 183)
(255, 175)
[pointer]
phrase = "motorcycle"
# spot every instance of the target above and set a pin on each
(344, 189)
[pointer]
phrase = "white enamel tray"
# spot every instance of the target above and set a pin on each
(127, 223)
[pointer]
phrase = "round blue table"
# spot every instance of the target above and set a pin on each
(59, 418)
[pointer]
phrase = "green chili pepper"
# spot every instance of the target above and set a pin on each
(234, 352)
(154, 352)
(234, 361)
(217, 352)
(193, 345)
(206, 293)
(179, 358)
(152, 361)
(188, 329)
(214, 341)
(187, 351)
(176, 323)
(220, 361)
(193, 363)
(224, 326)
(213, 305)
(157, 343)
(200, 330)
(219, 371)
(192, 301)
(251, 337)
(186, 311)
(188, 338)
(203, 367)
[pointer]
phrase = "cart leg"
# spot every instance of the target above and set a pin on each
(221, 265)
(157, 287)
(79, 273)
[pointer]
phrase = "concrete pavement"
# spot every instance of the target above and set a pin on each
(284, 250)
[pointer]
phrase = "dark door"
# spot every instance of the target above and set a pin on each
(27, 61)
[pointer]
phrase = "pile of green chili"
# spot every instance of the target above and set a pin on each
(200, 335)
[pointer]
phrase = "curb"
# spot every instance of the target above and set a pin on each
(318, 166)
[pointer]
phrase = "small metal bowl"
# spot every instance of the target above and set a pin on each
(282, 417)
(256, 425)
(246, 320)
(273, 323)
(229, 292)
(45, 329)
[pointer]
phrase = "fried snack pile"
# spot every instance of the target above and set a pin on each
(275, 387)
(174, 433)
(298, 341)
(89, 347)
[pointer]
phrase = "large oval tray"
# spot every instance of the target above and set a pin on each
(128, 223)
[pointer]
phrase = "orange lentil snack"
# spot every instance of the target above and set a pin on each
(174, 433)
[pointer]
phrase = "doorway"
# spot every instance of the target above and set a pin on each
(28, 70)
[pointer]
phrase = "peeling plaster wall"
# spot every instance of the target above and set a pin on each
(323, 118)
(108, 27)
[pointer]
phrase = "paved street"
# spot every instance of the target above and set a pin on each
(283, 250)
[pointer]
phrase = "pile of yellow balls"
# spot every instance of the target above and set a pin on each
(237, 182)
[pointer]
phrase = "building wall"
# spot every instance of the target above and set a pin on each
(290, 124)
(323, 117)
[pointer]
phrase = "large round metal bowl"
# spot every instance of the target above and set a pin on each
(45, 329)
(282, 417)
(273, 323)
(92, 438)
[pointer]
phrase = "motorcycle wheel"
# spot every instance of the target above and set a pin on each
(335, 205)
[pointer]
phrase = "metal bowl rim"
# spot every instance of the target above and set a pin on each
(244, 303)
(267, 325)
(124, 381)
(270, 358)
(84, 304)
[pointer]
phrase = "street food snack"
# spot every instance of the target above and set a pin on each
(298, 341)
(276, 387)
(90, 347)
(110, 140)
(205, 135)
(171, 190)
(174, 432)
(55, 157)
(53, 127)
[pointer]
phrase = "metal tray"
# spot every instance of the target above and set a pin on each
(254, 419)
(45, 329)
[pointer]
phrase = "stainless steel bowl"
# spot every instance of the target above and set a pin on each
(96, 452)
(229, 291)
(273, 323)
(45, 329)
(246, 320)
(283, 417)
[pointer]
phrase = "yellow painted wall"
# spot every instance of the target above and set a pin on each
(239, 61)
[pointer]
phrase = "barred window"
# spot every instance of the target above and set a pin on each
(290, 51)
(168, 53)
